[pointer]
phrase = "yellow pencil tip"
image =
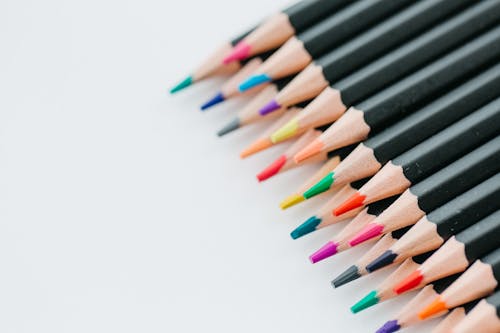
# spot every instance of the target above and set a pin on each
(312, 149)
(291, 200)
(255, 147)
(285, 132)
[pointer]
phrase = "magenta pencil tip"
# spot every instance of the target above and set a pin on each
(328, 250)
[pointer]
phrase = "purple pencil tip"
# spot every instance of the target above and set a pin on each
(389, 327)
(269, 107)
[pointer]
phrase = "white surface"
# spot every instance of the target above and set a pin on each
(120, 211)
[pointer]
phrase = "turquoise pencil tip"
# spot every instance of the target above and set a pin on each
(369, 300)
(181, 85)
(306, 227)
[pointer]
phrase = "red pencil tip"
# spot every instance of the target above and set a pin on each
(411, 281)
(355, 201)
(240, 52)
(272, 169)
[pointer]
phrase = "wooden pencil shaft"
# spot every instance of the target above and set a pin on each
(459, 176)
(427, 83)
(386, 35)
(450, 144)
(345, 24)
(436, 116)
(483, 318)
(418, 52)
(482, 237)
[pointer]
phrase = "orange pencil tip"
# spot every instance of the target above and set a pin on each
(435, 307)
(255, 147)
(355, 201)
(312, 149)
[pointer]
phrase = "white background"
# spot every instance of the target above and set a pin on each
(120, 210)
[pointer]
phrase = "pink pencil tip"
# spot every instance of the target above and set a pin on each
(328, 250)
(240, 52)
(370, 231)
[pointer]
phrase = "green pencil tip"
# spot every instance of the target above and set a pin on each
(183, 84)
(367, 301)
(321, 186)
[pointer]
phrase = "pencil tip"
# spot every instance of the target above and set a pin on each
(255, 147)
(312, 149)
(411, 281)
(291, 200)
(231, 126)
(306, 228)
(435, 307)
(355, 201)
(181, 85)
(389, 327)
(350, 274)
(369, 300)
(254, 81)
(272, 169)
(323, 185)
(285, 132)
(326, 251)
(213, 101)
(240, 51)
(269, 107)
(385, 259)
(370, 231)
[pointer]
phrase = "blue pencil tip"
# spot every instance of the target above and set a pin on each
(253, 81)
(215, 100)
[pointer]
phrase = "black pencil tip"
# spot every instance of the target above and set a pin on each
(385, 259)
(350, 274)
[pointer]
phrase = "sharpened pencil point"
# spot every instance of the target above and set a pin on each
(312, 149)
(292, 200)
(389, 327)
(369, 300)
(385, 259)
(355, 201)
(326, 251)
(239, 52)
(254, 81)
(322, 186)
(219, 98)
(370, 231)
(272, 169)
(350, 274)
(306, 228)
(410, 282)
(231, 126)
(183, 84)
(269, 107)
(434, 308)
(255, 147)
(285, 132)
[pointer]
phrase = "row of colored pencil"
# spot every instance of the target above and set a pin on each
(399, 101)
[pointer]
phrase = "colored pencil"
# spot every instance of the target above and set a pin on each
(431, 231)
(417, 163)
(297, 196)
(333, 101)
(341, 241)
(250, 113)
(212, 65)
(358, 270)
(278, 28)
(357, 52)
(385, 290)
(478, 281)
(406, 95)
(456, 254)
(436, 190)
(484, 317)
(324, 217)
(376, 151)
(454, 317)
(285, 161)
(408, 316)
